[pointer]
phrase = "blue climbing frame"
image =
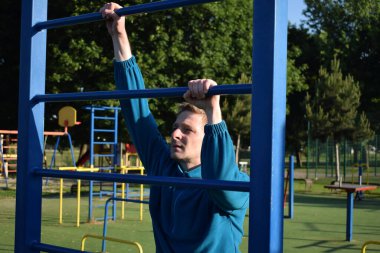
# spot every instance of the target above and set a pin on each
(267, 128)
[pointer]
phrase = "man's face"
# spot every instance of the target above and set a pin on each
(186, 139)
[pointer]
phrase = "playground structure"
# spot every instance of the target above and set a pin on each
(267, 138)
(9, 147)
(102, 157)
(104, 238)
(9, 139)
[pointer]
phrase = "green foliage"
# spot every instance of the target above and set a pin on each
(350, 29)
(296, 80)
(333, 109)
(172, 47)
(297, 84)
(237, 114)
(363, 132)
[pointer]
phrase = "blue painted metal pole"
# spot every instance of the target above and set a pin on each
(114, 199)
(350, 211)
(291, 186)
(131, 10)
(91, 183)
(147, 93)
(116, 111)
(71, 149)
(30, 126)
(153, 180)
(268, 126)
(52, 162)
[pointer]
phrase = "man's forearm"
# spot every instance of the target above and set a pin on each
(214, 115)
(121, 47)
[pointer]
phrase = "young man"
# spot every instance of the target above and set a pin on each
(184, 219)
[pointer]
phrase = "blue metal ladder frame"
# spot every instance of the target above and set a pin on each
(110, 140)
(267, 128)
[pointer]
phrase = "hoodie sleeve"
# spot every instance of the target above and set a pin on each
(151, 147)
(218, 162)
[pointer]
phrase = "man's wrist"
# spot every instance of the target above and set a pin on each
(121, 46)
(214, 115)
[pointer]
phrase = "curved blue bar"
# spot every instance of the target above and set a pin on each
(136, 9)
(147, 93)
(122, 178)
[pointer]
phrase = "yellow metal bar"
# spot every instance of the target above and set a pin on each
(78, 202)
(364, 247)
(78, 191)
(60, 199)
(136, 244)
(141, 195)
(122, 196)
(80, 169)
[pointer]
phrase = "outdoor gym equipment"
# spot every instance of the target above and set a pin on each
(364, 247)
(106, 215)
(350, 189)
(136, 244)
(289, 180)
(78, 191)
(270, 25)
(103, 145)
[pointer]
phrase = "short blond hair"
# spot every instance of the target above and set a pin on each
(183, 107)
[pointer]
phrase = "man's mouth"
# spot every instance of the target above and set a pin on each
(176, 146)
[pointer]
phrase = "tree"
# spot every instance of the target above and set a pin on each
(333, 109)
(362, 134)
(209, 40)
(9, 64)
(237, 111)
(350, 29)
(296, 87)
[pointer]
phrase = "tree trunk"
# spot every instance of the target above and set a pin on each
(298, 157)
(237, 149)
(337, 162)
(366, 156)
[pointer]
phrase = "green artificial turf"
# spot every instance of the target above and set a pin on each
(319, 223)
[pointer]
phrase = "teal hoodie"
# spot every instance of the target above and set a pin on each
(185, 219)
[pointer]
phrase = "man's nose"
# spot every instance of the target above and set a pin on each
(176, 134)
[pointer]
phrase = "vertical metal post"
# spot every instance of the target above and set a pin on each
(349, 218)
(316, 157)
(376, 155)
(268, 126)
(327, 157)
(30, 126)
(91, 183)
(115, 153)
(291, 186)
(344, 159)
(308, 149)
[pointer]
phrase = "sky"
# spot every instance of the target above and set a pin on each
(295, 8)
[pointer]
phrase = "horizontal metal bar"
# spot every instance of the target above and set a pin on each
(53, 249)
(147, 93)
(103, 131)
(127, 200)
(131, 10)
(104, 117)
(101, 108)
(123, 178)
(104, 142)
